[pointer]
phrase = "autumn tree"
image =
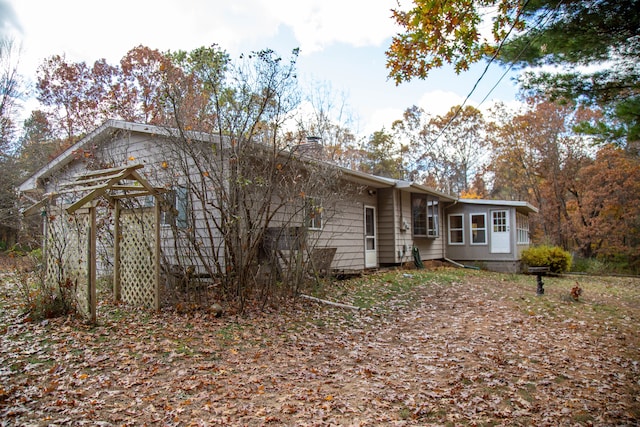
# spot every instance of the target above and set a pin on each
(64, 87)
(413, 131)
(37, 144)
(145, 77)
(603, 212)
(537, 157)
(11, 90)
(463, 139)
(78, 97)
(447, 151)
(382, 156)
(601, 34)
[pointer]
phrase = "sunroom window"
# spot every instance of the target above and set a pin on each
(522, 226)
(456, 229)
(478, 229)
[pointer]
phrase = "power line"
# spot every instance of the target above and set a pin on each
(512, 63)
(494, 56)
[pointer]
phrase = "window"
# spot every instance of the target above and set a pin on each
(522, 227)
(313, 214)
(456, 229)
(175, 209)
(424, 211)
(181, 207)
(500, 222)
(478, 229)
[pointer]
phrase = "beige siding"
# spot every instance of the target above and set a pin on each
(388, 228)
(344, 230)
(430, 248)
(404, 241)
(151, 151)
(396, 238)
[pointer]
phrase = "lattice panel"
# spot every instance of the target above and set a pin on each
(67, 256)
(138, 278)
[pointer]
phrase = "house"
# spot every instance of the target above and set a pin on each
(376, 222)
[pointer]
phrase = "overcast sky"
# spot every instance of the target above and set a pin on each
(342, 44)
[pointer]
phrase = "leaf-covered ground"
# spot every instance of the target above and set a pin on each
(446, 347)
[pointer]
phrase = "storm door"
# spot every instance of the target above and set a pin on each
(500, 235)
(370, 243)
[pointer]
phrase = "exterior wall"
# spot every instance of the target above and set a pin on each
(343, 218)
(152, 151)
(387, 226)
(396, 231)
(480, 254)
(126, 149)
(344, 230)
(429, 247)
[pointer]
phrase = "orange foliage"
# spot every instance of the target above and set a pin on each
(605, 212)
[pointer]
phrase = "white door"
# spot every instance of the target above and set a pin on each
(500, 235)
(370, 244)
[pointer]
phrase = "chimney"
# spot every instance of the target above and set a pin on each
(314, 140)
(311, 148)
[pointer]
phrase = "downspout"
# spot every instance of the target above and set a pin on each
(405, 246)
(457, 264)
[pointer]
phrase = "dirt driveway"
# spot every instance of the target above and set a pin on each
(447, 347)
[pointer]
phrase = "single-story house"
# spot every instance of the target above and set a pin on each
(379, 223)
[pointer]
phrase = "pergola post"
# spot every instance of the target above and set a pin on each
(157, 255)
(92, 264)
(117, 290)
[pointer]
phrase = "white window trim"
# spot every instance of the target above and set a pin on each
(486, 229)
(450, 229)
(432, 206)
(522, 229)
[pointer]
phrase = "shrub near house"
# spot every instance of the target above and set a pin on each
(557, 259)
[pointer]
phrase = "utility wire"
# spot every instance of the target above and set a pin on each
(494, 56)
(513, 62)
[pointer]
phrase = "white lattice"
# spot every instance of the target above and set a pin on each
(67, 256)
(138, 245)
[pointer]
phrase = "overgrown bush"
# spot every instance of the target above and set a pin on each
(42, 301)
(557, 259)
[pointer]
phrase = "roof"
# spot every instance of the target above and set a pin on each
(114, 183)
(105, 131)
(519, 205)
(383, 182)
(108, 129)
(413, 187)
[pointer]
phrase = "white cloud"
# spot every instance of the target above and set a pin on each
(439, 102)
(317, 24)
(86, 31)
(381, 118)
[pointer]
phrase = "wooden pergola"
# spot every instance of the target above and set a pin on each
(114, 185)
